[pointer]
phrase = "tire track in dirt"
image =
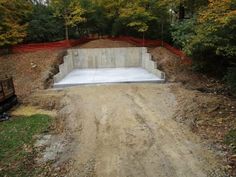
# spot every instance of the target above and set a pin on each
(128, 131)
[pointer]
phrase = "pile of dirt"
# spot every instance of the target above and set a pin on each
(178, 71)
(30, 71)
(105, 43)
(164, 57)
(173, 66)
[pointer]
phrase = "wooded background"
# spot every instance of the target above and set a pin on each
(204, 29)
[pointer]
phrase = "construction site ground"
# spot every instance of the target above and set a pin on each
(174, 129)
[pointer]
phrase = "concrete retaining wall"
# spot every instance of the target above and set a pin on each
(107, 58)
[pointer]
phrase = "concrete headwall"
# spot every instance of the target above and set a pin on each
(107, 58)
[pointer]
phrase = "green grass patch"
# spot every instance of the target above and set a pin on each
(16, 143)
(230, 139)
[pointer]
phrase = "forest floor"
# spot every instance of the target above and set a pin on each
(173, 129)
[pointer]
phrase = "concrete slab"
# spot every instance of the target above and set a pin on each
(107, 75)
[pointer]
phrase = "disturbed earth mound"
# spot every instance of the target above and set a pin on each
(30, 71)
(105, 43)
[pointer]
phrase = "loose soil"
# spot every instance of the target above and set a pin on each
(129, 130)
(175, 129)
(105, 43)
(30, 71)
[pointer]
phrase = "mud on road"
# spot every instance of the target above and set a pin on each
(129, 131)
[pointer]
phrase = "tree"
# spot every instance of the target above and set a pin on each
(182, 32)
(184, 8)
(12, 26)
(112, 10)
(112, 7)
(41, 25)
(216, 30)
(70, 11)
(209, 37)
(136, 14)
(96, 19)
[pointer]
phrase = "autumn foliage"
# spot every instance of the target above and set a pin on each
(204, 29)
(12, 27)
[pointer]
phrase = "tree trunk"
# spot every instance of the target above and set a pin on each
(143, 39)
(162, 33)
(67, 32)
(181, 11)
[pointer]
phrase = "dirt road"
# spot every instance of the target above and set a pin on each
(128, 131)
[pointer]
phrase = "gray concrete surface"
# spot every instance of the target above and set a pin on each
(106, 57)
(107, 75)
(131, 57)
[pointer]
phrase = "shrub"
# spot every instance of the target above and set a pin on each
(231, 79)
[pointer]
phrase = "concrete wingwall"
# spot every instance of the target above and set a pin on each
(107, 58)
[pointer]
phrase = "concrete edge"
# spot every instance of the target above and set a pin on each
(107, 83)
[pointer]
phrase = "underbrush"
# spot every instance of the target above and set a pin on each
(231, 79)
(219, 72)
(230, 139)
(17, 137)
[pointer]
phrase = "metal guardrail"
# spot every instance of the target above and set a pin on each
(7, 89)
